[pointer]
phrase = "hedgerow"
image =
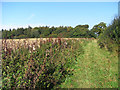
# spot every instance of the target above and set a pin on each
(111, 37)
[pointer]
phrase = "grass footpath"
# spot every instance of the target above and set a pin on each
(96, 68)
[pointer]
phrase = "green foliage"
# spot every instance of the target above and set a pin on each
(80, 31)
(39, 64)
(96, 68)
(35, 34)
(110, 38)
(99, 29)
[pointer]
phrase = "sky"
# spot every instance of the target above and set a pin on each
(35, 14)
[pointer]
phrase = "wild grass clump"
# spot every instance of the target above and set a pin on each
(38, 64)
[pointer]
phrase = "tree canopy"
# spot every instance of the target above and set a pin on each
(99, 28)
(80, 31)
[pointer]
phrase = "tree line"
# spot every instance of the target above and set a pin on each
(108, 36)
(80, 31)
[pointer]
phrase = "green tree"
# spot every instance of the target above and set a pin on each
(99, 28)
(111, 36)
(80, 31)
(35, 34)
(29, 32)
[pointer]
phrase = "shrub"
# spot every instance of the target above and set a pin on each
(110, 37)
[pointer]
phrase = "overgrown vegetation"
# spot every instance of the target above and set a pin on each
(38, 64)
(110, 38)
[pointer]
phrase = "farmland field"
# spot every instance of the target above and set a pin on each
(54, 45)
(58, 63)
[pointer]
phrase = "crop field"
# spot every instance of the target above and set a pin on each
(57, 63)
(44, 39)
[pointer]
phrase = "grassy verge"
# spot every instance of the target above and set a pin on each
(96, 68)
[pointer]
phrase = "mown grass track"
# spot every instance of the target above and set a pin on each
(96, 68)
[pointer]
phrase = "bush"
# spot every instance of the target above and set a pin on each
(110, 37)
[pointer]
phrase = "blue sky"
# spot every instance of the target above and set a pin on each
(22, 14)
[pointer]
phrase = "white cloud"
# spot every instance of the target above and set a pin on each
(31, 17)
